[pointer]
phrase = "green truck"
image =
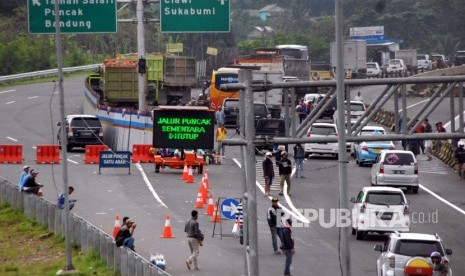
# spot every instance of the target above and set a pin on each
(169, 80)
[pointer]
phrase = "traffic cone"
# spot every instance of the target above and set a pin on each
(117, 227)
(216, 217)
(185, 172)
(204, 191)
(205, 177)
(210, 207)
(190, 176)
(167, 233)
(199, 202)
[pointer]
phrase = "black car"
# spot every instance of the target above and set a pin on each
(329, 110)
(81, 130)
(266, 130)
(231, 112)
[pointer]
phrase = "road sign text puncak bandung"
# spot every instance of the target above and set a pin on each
(76, 16)
(195, 16)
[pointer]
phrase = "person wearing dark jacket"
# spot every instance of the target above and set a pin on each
(268, 172)
(194, 239)
(125, 235)
(287, 246)
(274, 214)
(285, 170)
(31, 186)
(299, 155)
(460, 157)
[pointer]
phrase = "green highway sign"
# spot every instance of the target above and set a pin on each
(194, 16)
(76, 16)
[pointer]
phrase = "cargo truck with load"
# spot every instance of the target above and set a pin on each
(169, 80)
(355, 58)
(410, 59)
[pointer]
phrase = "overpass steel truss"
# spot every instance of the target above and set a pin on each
(396, 88)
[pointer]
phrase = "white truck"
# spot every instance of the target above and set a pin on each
(409, 57)
(355, 58)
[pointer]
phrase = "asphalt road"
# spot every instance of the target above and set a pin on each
(28, 116)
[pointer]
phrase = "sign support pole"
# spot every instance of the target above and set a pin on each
(59, 53)
(141, 53)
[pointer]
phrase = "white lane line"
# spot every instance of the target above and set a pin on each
(456, 119)
(72, 161)
(149, 185)
(12, 139)
(7, 91)
(101, 213)
(32, 97)
(10, 102)
(443, 200)
(415, 104)
(294, 212)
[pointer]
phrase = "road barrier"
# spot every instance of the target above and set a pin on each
(87, 236)
(141, 153)
(92, 153)
(48, 154)
(11, 154)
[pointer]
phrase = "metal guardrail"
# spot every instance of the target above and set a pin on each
(46, 73)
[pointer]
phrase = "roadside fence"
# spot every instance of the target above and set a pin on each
(87, 236)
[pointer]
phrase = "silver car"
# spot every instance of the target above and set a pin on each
(397, 168)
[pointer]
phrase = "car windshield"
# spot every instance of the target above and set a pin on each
(384, 198)
(85, 122)
(420, 57)
(259, 109)
(399, 158)
(394, 62)
(323, 130)
(371, 65)
(418, 248)
(231, 104)
(356, 107)
(372, 132)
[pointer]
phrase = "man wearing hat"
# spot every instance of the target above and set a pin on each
(272, 218)
(268, 172)
(285, 170)
(31, 186)
(23, 177)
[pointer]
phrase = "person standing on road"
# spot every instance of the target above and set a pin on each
(23, 177)
(285, 170)
(428, 143)
(221, 133)
(287, 246)
(219, 116)
(194, 239)
(421, 129)
(125, 235)
(439, 127)
(460, 157)
(272, 218)
(358, 97)
(268, 172)
(299, 155)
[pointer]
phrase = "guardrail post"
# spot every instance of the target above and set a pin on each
(124, 261)
(76, 229)
(131, 262)
(51, 217)
(96, 240)
(110, 257)
(3, 191)
(117, 258)
(84, 233)
(139, 268)
(102, 246)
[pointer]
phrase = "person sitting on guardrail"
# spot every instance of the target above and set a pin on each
(125, 235)
(31, 186)
(61, 199)
(23, 177)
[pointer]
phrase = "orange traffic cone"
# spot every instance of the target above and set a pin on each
(205, 177)
(216, 217)
(167, 233)
(210, 207)
(199, 202)
(117, 227)
(203, 189)
(184, 172)
(190, 176)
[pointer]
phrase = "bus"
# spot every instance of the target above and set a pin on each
(222, 76)
(294, 51)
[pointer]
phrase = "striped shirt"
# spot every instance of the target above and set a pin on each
(239, 214)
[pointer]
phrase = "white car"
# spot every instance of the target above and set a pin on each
(424, 62)
(357, 110)
(380, 210)
(400, 248)
(373, 70)
(396, 66)
(322, 130)
(367, 130)
(397, 168)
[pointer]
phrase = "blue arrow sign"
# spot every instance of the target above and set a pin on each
(229, 208)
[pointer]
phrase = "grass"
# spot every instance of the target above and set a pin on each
(26, 248)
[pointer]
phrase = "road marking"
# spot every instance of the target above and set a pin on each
(12, 139)
(456, 119)
(32, 97)
(72, 161)
(415, 104)
(101, 213)
(442, 199)
(433, 172)
(294, 212)
(7, 91)
(10, 102)
(149, 185)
